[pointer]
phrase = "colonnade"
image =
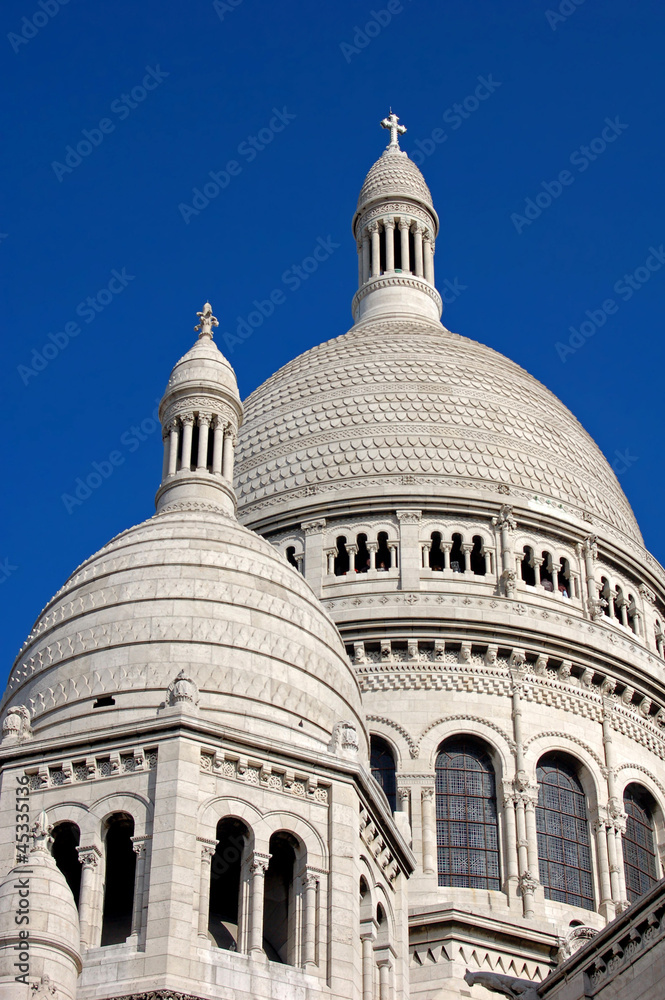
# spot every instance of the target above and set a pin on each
(416, 254)
(178, 441)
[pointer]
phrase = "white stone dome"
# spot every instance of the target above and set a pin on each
(189, 590)
(202, 368)
(407, 410)
(394, 175)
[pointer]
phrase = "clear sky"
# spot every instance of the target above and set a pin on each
(546, 171)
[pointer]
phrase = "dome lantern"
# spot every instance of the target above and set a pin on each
(200, 415)
(395, 226)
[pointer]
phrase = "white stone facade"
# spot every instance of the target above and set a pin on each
(464, 566)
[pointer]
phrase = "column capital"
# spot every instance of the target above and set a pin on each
(373, 227)
(404, 223)
(313, 527)
(389, 222)
(187, 419)
(311, 878)
(205, 419)
(409, 516)
(89, 856)
(428, 793)
(258, 863)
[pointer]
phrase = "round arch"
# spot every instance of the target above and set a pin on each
(499, 745)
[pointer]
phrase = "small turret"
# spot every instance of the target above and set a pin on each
(200, 415)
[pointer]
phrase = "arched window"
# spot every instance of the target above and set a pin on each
(436, 560)
(342, 557)
(477, 557)
(382, 765)
(362, 555)
(279, 900)
(607, 596)
(639, 852)
(457, 562)
(527, 571)
(383, 556)
(232, 836)
(563, 833)
(66, 838)
(467, 831)
(119, 876)
(291, 556)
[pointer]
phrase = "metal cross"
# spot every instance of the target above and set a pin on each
(207, 321)
(395, 129)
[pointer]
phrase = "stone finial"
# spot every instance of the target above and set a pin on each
(182, 690)
(395, 129)
(207, 321)
(344, 739)
(16, 724)
(41, 834)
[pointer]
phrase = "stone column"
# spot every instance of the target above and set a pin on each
(366, 261)
(375, 236)
(446, 549)
(372, 548)
(510, 835)
(429, 831)
(227, 455)
(359, 244)
(613, 866)
(467, 548)
(403, 799)
(590, 554)
(409, 543)
(556, 569)
(384, 979)
(167, 448)
(428, 258)
(330, 561)
(389, 235)
(404, 226)
(623, 613)
(139, 848)
(89, 858)
(258, 868)
(310, 886)
(425, 548)
(352, 552)
(537, 563)
(173, 447)
(207, 854)
(187, 426)
(531, 834)
(606, 907)
(204, 429)
(418, 249)
(392, 548)
(217, 445)
(522, 842)
(367, 939)
(619, 830)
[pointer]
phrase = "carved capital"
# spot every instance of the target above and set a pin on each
(89, 856)
(389, 222)
(258, 864)
(205, 419)
(187, 419)
(409, 516)
(313, 527)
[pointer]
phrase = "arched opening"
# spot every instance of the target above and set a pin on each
(564, 852)
(606, 596)
(225, 867)
(527, 570)
(457, 563)
(639, 850)
(383, 554)
(195, 445)
(382, 766)
(477, 557)
(467, 829)
(564, 579)
(412, 252)
(119, 875)
(291, 556)
(278, 900)
(617, 603)
(362, 556)
(342, 557)
(66, 838)
(632, 613)
(383, 234)
(546, 577)
(398, 248)
(436, 560)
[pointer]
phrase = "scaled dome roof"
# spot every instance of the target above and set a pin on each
(394, 175)
(406, 408)
(188, 590)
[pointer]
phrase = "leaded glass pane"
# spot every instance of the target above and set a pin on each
(639, 854)
(563, 835)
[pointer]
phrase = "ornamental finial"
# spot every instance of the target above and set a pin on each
(207, 321)
(395, 129)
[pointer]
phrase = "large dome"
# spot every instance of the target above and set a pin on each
(193, 591)
(406, 408)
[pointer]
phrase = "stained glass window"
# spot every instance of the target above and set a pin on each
(639, 854)
(467, 832)
(564, 853)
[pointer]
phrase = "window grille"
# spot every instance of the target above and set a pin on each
(564, 853)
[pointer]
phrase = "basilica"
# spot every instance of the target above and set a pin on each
(372, 708)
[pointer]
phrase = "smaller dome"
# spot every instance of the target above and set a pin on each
(54, 924)
(203, 367)
(394, 175)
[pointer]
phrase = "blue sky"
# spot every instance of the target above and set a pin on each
(119, 111)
